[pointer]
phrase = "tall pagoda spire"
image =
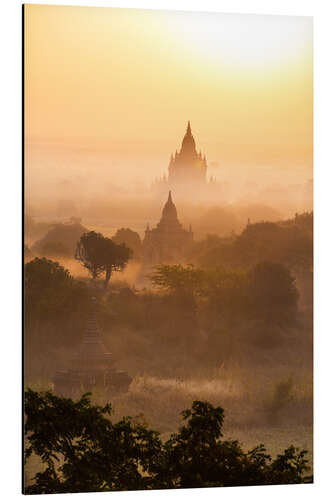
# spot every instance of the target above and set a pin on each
(187, 166)
(188, 144)
(189, 131)
(169, 212)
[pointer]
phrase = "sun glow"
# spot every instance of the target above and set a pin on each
(247, 40)
(119, 84)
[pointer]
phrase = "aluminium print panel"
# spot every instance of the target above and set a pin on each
(168, 233)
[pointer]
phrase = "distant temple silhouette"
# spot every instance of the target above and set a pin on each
(187, 169)
(167, 242)
(187, 165)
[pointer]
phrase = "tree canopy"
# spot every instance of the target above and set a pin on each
(131, 239)
(272, 290)
(266, 291)
(53, 304)
(50, 290)
(287, 242)
(101, 255)
(177, 278)
(82, 450)
(60, 240)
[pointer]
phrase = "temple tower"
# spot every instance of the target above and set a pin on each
(187, 167)
(167, 242)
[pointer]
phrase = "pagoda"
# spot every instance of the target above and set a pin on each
(92, 365)
(187, 166)
(167, 242)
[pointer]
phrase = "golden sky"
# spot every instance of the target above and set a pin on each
(116, 87)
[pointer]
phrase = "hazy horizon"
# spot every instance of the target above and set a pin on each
(108, 93)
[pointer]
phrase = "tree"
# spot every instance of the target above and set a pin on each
(49, 292)
(182, 284)
(178, 279)
(46, 286)
(117, 257)
(273, 291)
(227, 293)
(44, 273)
(89, 251)
(82, 450)
(101, 255)
(131, 239)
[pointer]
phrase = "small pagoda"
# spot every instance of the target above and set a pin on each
(168, 241)
(92, 366)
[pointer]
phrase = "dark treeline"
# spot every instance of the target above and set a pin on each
(59, 240)
(82, 450)
(289, 242)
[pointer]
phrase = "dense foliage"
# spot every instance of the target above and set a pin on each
(131, 239)
(60, 240)
(288, 242)
(267, 291)
(53, 305)
(197, 318)
(236, 310)
(273, 291)
(82, 450)
(101, 255)
(50, 291)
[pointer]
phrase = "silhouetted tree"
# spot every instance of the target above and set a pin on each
(227, 293)
(178, 279)
(272, 290)
(82, 450)
(46, 282)
(117, 257)
(89, 251)
(101, 255)
(182, 284)
(131, 239)
(50, 290)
